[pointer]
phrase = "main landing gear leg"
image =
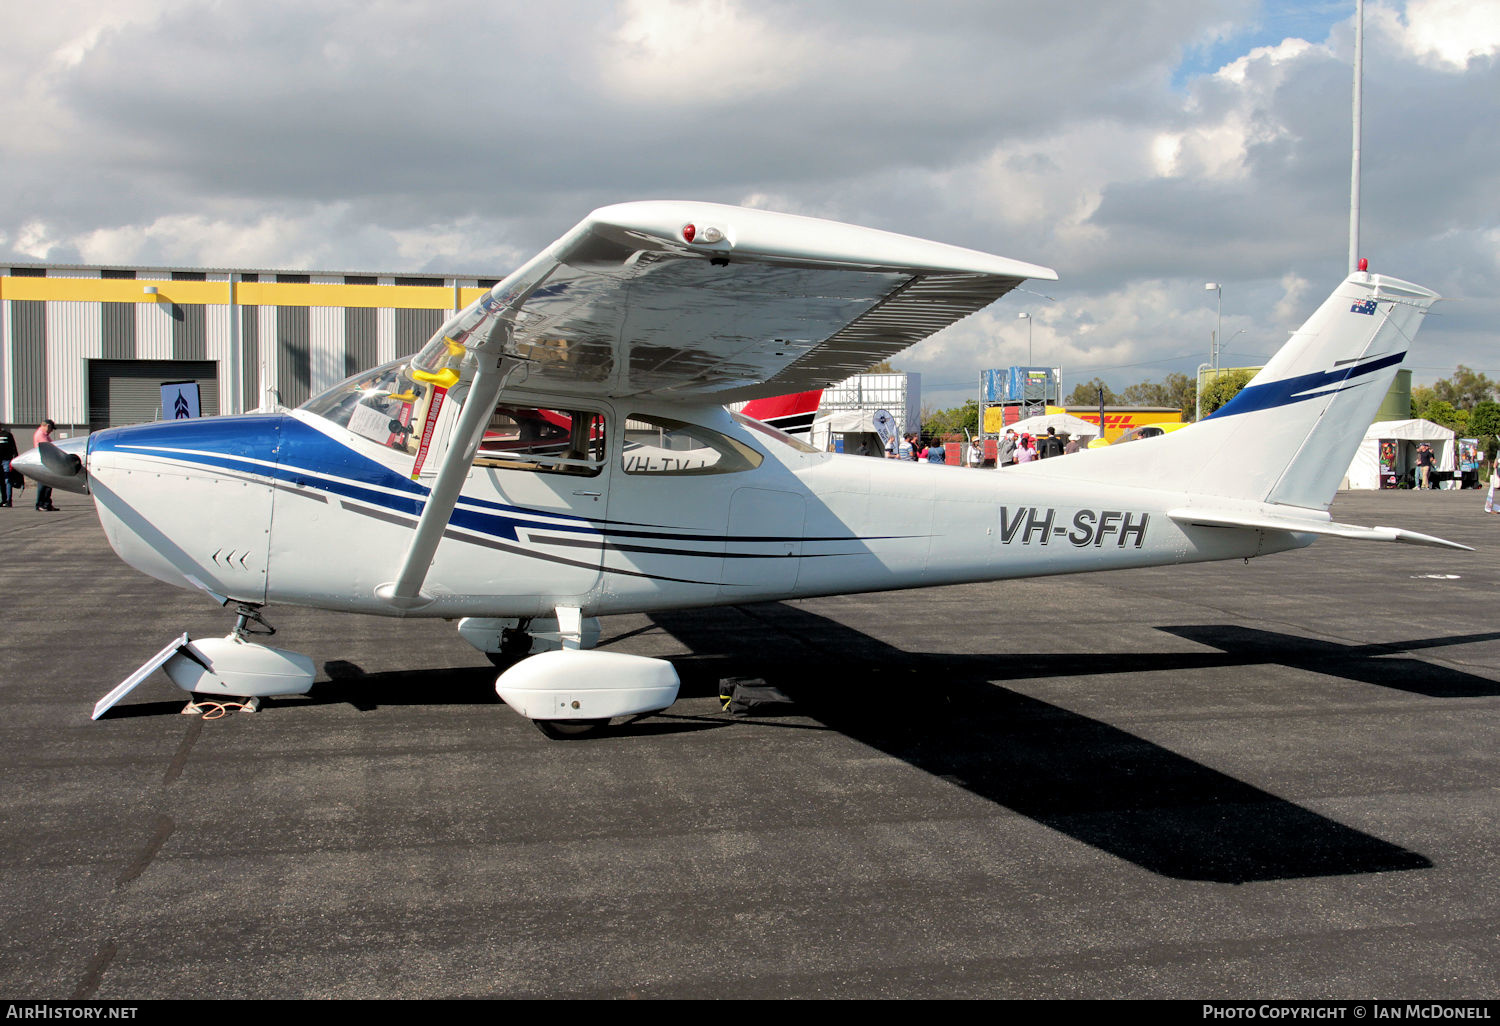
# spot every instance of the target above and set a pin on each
(565, 688)
(570, 690)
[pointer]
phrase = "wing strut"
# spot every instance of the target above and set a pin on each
(405, 592)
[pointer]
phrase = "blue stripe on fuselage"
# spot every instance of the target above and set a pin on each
(282, 448)
(306, 457)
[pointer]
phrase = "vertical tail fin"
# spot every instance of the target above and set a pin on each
(1288, 437)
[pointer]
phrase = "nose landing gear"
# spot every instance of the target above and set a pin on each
(231, 666)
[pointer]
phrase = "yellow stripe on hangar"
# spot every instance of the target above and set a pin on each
(246, 293)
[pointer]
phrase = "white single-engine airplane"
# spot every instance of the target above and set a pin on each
(560, 450)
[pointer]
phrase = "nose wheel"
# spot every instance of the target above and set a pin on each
(570, 730)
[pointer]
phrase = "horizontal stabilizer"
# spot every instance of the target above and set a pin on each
(1301, 525)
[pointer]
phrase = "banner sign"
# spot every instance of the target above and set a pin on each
(179, 400)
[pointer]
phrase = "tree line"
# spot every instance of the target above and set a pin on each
(1465, 402)
(1176, 391)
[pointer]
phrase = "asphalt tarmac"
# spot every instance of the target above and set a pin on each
(1274, 779)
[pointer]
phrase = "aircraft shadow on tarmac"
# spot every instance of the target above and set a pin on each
(947, 715)
(1089, 780)
(1368, 664)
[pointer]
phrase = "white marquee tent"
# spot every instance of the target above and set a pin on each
(1364, 472)
(1066, 424)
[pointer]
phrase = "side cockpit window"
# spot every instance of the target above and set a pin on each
(657, 445)
(546, 440)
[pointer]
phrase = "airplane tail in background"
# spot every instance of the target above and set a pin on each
(792, 413)
(1287, 439)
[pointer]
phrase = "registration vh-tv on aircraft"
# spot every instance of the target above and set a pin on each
(561, 450)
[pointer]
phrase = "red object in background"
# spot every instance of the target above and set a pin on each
(783, 405)
(792, 413)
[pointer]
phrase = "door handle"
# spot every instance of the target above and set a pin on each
(592, 495)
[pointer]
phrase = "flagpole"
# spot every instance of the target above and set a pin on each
(1359, 53)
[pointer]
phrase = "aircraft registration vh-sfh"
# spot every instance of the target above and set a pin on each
(560, 451)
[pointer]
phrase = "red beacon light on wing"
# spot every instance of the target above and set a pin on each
(707, 235)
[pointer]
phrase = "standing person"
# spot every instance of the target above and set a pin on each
(1025, 451)
(937, 452)
(8, 452)
(1425, 460)
(1072, 446)
(1050, 446)
(976, 453)
(44, 492)
(1007, 454)
(908, 449)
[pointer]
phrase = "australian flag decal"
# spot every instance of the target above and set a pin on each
(1367, 307)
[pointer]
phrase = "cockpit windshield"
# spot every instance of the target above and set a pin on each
(385, 405)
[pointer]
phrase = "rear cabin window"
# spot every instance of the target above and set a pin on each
(545, 440)
(770, 432)
(657, 445)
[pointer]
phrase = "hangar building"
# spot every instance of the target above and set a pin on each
(89, 346)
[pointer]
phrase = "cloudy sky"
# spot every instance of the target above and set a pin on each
(1140, 149)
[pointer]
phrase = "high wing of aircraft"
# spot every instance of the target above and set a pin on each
(560, 451)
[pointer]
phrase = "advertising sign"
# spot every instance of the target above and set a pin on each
(1468, 455)
(1119, 422)
(179, 400)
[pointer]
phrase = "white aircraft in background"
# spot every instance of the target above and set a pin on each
(560, 451)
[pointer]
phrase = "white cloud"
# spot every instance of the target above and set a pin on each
(465, 136)
(1262, 59)
(35, 239)
(1293, 306)
(1451, 31)
(682, 52)
(331, 237)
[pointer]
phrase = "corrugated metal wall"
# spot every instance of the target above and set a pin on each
(28, 340)
(189, 323)
(326, 345)
(74, 336)
(51, 334)
(361, 349)
(117, 323)
(5, 371)
(385, 335)
(414, 328)
(249, 357)
(293, 347)
(129, 391)
(153, 331)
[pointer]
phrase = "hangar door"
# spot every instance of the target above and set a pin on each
(129, 391)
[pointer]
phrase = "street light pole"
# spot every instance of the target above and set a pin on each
(1215, 287)
(1027, 318)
